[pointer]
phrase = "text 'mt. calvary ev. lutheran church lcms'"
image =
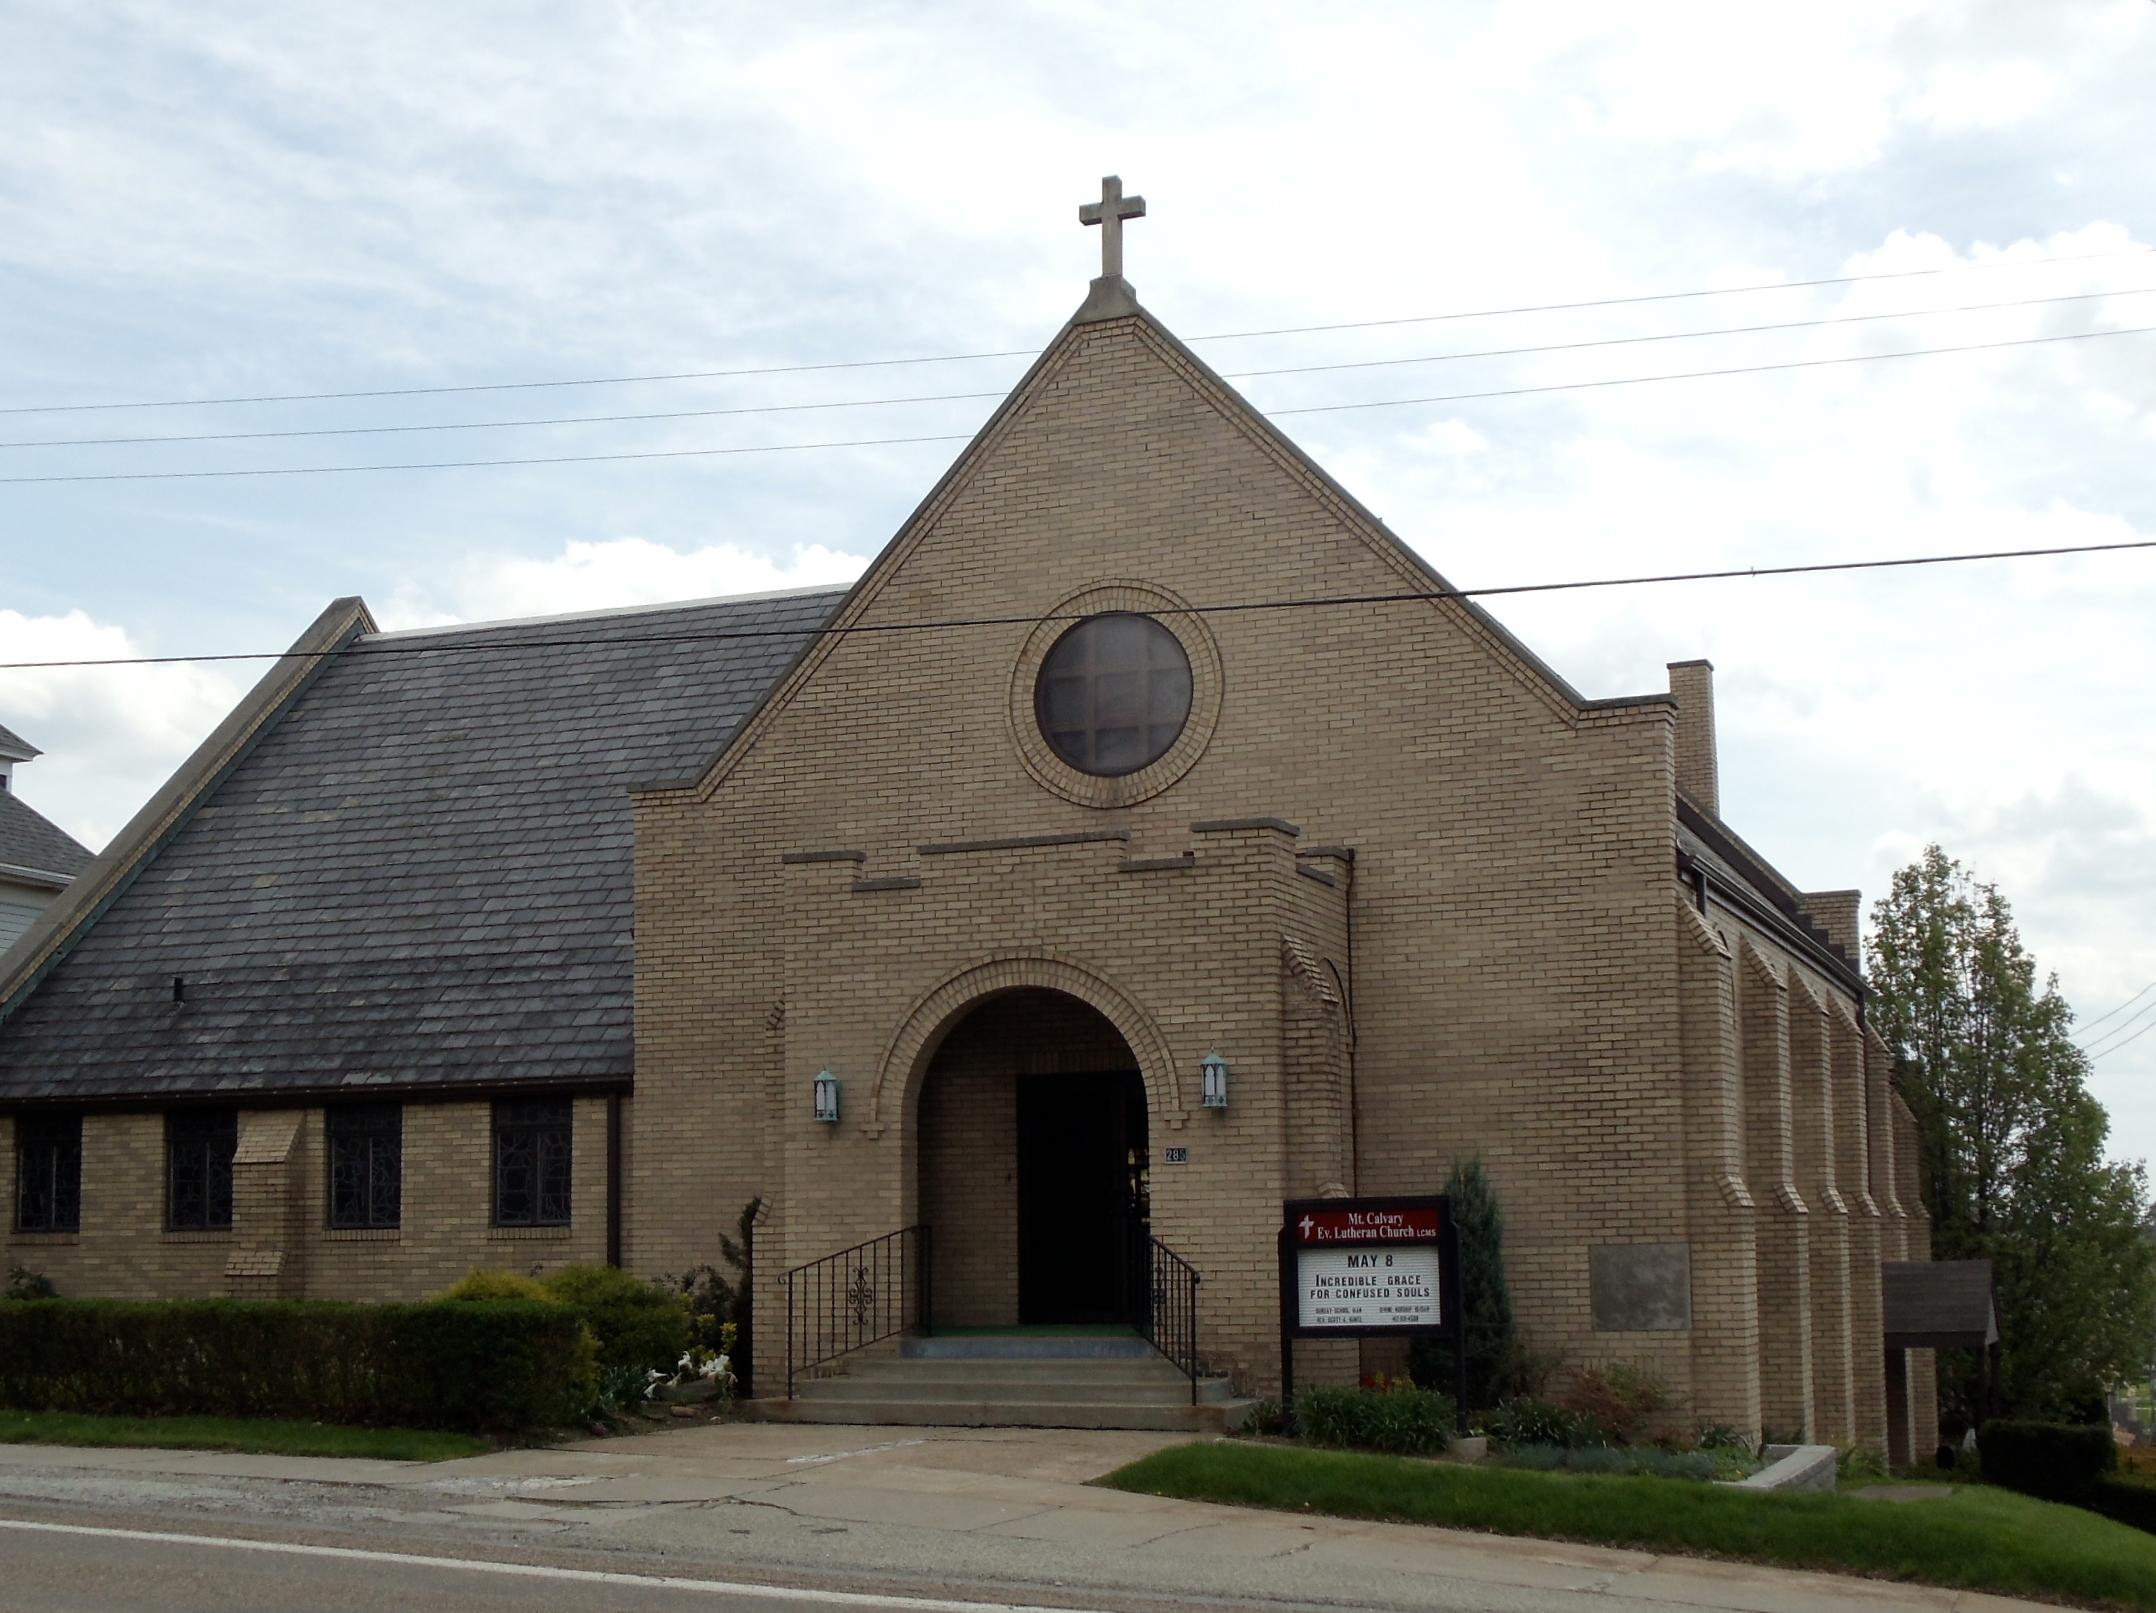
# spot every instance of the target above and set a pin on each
(1059, 944)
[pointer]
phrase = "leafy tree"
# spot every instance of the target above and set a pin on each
(2012, 1146)
(1493, 1350)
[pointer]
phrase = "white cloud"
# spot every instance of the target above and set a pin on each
(596, 575)
(246, 198)
(111, 735)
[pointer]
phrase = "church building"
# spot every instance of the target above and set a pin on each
(1148, 838)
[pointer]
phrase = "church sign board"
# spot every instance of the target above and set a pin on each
(1369, 1268)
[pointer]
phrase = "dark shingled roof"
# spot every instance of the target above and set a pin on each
(28, 839)
(1937, 1304)
(420, 875)
(13, 744)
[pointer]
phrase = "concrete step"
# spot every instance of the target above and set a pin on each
(1070, 1391)
(1209, 1417)
(1155, 1369)
(1028, 1346)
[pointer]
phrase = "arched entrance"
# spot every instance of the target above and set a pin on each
(1033, 1153)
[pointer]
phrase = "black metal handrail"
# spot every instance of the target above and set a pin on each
(1167, 1309)
(857, 1297)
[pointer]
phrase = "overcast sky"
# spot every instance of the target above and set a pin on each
(230, 199)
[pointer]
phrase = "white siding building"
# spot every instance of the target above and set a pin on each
(37, 857)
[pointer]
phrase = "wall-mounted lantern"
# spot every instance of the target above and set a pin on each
(827, 1086)
(1214, 1092)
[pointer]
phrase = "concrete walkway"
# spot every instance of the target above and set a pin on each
(915, 1509)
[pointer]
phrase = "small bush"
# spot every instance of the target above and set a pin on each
(504, 1366)
(1524, 1420)
(1623, 1401)
(480, 1286)
(635, 1323)
(2048, 1459)
(1858, 1462)
(1723, 1437)
(1402, 1421)
(1265, 1419)
(23, 1283)
(617, 1390)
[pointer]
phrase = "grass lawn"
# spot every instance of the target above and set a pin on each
(236, 1434)
(1979, 1538)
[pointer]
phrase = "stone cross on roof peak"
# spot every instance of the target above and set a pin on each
(1109, 213)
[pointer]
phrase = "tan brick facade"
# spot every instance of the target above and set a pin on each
(281, 1243)
(1419, 896)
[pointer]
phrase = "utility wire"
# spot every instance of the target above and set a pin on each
(888, 442)
(961, 358)
(2122, 1007)
(2126, 1024)
(1701, 375)
(402, 645)
(967, 397)
(2115, 1046)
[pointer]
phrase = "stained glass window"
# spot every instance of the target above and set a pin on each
(48, 1173)
(366, 1165)
(531, 1163)
(199, 1145)
(1113, 694)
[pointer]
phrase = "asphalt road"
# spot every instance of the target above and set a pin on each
(767, 1519)
(66, 1568)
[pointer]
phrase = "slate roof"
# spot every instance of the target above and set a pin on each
(420, 875)
(29, 839)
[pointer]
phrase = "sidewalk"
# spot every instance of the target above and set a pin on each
(1006, 1505)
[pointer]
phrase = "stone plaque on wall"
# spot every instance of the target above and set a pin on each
(1641, 1287)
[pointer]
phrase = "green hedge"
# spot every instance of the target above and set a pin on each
(1403, 1422)
(2123, 1501)
(636, 1323)
(2053, 1459)
(500, 1367)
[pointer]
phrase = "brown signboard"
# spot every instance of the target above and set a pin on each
(1327, 1224)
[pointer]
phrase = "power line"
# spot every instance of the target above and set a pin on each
(962, 358)
(1702, 375)
(967, 397)
(2115, 1046)
(377, 646)
(2092, 1049)
(888, 442)
(2122, 1007)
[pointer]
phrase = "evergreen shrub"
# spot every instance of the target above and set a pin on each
(2050, 1459)
(487, 1283)
(635, 1323)
(1497, 1363)
(1402, 1420)
(497, 1367)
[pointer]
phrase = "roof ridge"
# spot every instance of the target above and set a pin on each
(604, 613)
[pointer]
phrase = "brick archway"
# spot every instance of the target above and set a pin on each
(898, 1073)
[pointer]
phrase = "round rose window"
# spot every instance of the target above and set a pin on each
(1113, 694)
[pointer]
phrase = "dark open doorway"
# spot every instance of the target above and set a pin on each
(1082, 1207)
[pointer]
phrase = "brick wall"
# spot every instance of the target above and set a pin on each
(1513, 986)
(280, 1243)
